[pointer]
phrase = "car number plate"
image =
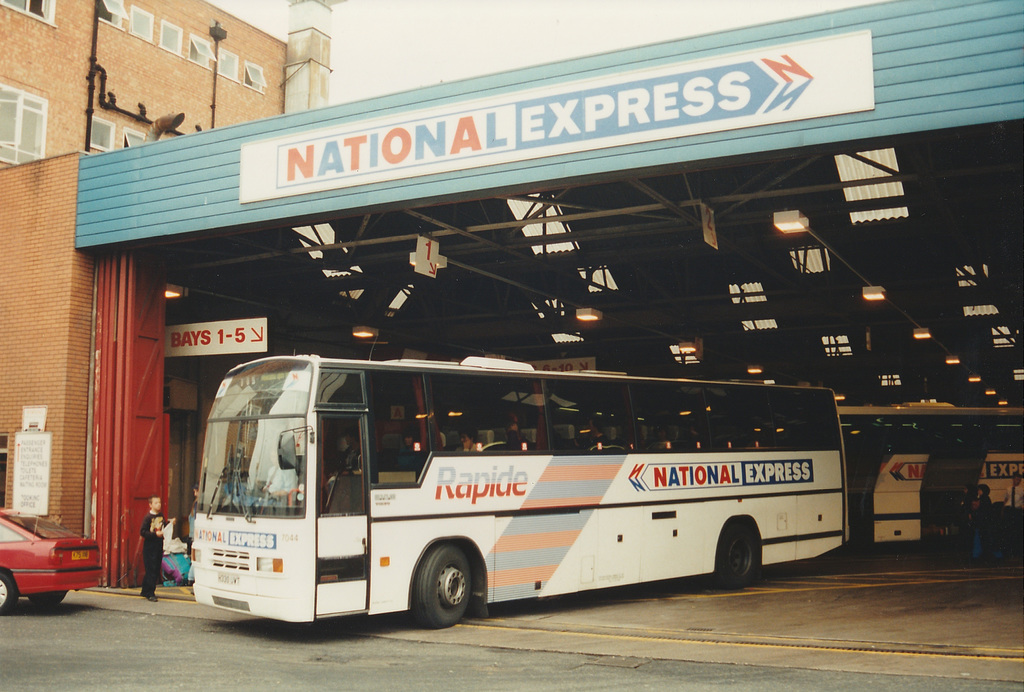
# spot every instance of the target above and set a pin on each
(227, 579)
(79, 554)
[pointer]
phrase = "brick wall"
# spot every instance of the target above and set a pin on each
(52, 61)
(46, 287)
(46, 292)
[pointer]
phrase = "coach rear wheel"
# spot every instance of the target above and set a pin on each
(738, 560)
(442, 586)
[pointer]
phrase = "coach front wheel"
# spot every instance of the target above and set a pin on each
(442, 587)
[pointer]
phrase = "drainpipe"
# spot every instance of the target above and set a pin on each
(92, 75)
(218, 34)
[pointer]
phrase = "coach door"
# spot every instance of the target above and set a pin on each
(342, 551)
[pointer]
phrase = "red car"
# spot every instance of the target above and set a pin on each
(43, 560)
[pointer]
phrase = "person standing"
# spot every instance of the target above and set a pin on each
(152, 533)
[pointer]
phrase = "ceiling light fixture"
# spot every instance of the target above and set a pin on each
(588, 314)
(952, 360)
(363, 332)
(174, 291)
(873, 293)
(791, 222)
(974, 378)
(922, 333)
(755, 369)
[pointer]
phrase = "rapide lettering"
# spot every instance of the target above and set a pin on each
(472, 486)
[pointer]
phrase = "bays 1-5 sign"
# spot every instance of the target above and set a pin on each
(216, 338)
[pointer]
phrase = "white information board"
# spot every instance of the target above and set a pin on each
(32, 451)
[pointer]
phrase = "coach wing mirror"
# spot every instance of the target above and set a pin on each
(286, 446)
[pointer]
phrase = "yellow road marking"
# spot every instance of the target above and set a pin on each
(1011, 656)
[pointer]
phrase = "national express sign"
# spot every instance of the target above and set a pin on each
(784, 83)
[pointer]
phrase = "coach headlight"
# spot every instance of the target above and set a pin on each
(270, 564)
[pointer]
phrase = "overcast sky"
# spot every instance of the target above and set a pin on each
(385, 46)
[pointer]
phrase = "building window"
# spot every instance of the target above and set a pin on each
(227, 65)
(170, 38)
(254, 77)
(132, 138)
(141, 24)
(200, 51)
(113, 12)
(102, 135)
(22, 126)
(40, 8)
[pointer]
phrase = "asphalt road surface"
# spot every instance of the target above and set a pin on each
(894, 622)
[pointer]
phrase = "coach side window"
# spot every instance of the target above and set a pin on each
(670, 417)
(399, 427)
(739, 417)
(497, 414)
(590, 416)
(804, 419)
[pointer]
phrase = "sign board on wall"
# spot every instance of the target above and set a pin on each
(777, 84)
(33, 418)
(216, 338)
(566, 364)
(32, 453)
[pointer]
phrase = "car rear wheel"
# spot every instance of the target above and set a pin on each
(8, 593)
(50, 599)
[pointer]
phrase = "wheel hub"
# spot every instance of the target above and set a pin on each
(451, 586)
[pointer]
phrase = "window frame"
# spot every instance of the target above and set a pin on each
(204, 49)
(138, 11)
(93, 140)
(125, 132)
(165, 26)
(248, 81)
(48, 7)
(40, 106)
(226, 55)
(118, 18)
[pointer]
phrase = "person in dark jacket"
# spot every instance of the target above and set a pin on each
(152, 532)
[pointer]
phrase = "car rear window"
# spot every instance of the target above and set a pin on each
(44, 528)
